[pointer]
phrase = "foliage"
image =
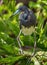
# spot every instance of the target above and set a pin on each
(9, 30)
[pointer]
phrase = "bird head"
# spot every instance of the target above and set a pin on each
(20, 9)
(23, 8)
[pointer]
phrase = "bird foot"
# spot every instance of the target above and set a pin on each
(21, 51)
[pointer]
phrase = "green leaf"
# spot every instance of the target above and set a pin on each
(10, 59)
(36, 62)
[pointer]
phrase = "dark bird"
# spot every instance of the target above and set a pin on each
(27, 23)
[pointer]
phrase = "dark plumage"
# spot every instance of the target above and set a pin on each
(27, 19)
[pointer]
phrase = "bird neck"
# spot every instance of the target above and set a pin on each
(26, 11)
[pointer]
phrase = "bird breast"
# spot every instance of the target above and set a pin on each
(27, 31)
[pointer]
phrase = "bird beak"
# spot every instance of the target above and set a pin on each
(16, 12)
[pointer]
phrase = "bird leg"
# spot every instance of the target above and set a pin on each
(34, 39)
(34, 44)
(18, 39)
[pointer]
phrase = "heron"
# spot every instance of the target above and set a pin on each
(27, 23)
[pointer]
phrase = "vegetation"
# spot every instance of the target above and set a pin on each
(9, 30)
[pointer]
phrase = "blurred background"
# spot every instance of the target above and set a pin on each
(9, 30)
